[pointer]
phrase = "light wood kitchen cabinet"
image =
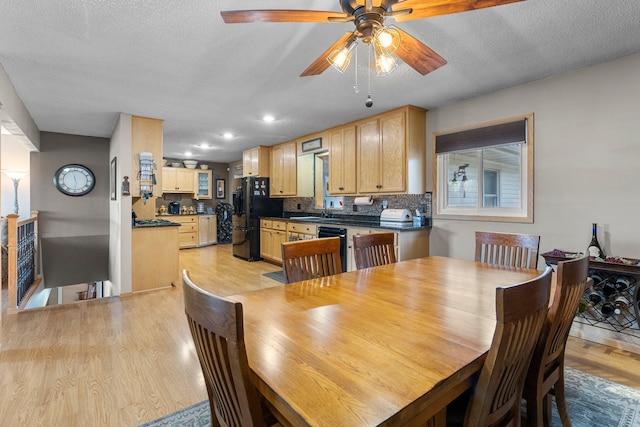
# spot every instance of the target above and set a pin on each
(391, 152)
(301, 231)
(284, 170)
(188, 230)
(342, 165)
(178, 180)
(408, 244)
(154, 258)
(272, 234)
(255, 162)
(207, 230)
(202, 181)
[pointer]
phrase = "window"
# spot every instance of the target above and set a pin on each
(486, 172)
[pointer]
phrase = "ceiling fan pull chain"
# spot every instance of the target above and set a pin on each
(355, 86)
(369, 102)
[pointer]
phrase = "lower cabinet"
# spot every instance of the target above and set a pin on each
(408, 244)
(154, 258)
(301, 231)
(207, 230)
(272, 234)
(188, 230)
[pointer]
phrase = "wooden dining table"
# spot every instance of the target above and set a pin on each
(385, 346)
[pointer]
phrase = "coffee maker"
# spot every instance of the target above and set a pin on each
(174, 208)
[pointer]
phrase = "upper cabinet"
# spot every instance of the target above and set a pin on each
(203, 184)
(255, 162)
(284, 169)
(178, 180)
(342, 154)
(391, 152)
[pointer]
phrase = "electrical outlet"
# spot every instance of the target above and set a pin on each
(299, 206)
(355, 208)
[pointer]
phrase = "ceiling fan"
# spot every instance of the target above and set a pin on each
(368, 17)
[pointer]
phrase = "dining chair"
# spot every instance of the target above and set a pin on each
(495, 401)
(546, 372)
(217, 329)
(374, 249)
(514, 250)
(310, 259)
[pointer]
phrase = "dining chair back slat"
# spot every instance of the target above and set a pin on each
(514, 250)
(371, 250)
(310, 259)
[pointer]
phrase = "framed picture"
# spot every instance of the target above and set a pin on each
(114, 179)
(311, 145)
(220, 191)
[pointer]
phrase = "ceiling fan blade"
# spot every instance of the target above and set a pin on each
(246, 16)
(418, 55)
(425, 9)
(320, 64)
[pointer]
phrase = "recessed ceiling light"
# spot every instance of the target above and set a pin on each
(203, 145)
(188, 153)
(228, 135)
(268, 118)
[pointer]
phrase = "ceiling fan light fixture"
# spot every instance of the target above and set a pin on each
(341, 57)
(386, 40)
(385, 64)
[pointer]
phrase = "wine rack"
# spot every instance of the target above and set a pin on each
(602, 312)
(599, 301)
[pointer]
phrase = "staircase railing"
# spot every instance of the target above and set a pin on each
(22, 249)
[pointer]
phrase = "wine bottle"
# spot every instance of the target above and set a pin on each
(595, 250)
(622, 283)
(607, 309)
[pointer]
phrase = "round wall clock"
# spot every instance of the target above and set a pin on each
(74, 180)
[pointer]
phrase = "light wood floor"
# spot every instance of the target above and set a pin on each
(125, 361)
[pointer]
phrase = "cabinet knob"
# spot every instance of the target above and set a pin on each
(340, 188)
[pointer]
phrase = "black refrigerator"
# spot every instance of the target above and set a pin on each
(250, 202)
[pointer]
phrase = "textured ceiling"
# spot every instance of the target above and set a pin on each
(77, 63)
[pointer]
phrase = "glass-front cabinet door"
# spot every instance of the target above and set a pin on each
(203, 182)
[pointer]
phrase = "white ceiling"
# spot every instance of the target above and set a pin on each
(77, 63)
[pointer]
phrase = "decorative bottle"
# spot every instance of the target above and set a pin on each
(595, 250)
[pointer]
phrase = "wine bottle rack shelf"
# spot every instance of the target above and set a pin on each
(599, 301)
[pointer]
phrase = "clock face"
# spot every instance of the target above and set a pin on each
(74, 180)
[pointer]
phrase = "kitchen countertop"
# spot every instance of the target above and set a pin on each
(146, 223)
(355, 222)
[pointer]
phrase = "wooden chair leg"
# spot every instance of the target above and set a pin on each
(547, 411)
(561, 401)
(535, 412)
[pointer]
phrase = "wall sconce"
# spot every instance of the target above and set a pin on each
(460, 173)
(15, 176)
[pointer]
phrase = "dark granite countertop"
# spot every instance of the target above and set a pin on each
(146, 223)
(354, 221)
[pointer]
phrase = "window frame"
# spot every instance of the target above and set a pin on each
(524, 214)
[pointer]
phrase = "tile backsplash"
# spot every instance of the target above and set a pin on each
(395, 201)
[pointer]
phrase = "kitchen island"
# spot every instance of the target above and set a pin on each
(154, 255)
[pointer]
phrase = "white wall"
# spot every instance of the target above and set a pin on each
(14, 114)
(15, 157)
(120, 211)
(587, 159)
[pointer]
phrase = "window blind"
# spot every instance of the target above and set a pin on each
(487, 136)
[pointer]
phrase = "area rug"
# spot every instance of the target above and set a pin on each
(276, 275)
(592, 402)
